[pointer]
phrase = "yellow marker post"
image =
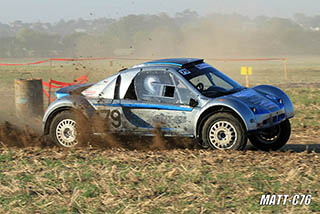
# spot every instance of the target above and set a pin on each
(246, 71)
(285, 71)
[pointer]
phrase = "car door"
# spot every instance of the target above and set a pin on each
(162, 99)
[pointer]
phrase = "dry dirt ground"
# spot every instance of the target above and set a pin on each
(153, 176)
(12, 136)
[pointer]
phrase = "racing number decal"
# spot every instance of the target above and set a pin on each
(114, 115)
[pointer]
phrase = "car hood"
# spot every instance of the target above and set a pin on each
(264, 103)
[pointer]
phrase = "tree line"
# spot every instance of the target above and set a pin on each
(185, 34)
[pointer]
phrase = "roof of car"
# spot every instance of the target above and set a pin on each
(180, 62)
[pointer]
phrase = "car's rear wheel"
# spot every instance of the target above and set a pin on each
(65, 129)
(224, 131)
(272, 138)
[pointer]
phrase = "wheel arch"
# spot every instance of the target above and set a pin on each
(213, 110)
(55, 112)
(76, 103)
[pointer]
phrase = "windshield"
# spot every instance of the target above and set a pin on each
(209, 81)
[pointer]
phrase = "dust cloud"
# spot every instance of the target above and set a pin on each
(24, 137)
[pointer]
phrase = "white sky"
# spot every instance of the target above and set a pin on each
(54, 10)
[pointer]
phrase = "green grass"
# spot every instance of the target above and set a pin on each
(307, 106)
(56, 181)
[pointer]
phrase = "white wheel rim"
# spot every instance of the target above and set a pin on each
(222, 135)
(66, 133)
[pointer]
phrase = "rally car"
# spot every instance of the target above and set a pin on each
(184, 96)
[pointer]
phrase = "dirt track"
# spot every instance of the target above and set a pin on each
(11, 136)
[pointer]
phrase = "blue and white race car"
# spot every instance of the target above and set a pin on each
(184, 96)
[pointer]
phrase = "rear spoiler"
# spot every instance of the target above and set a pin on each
(193, 63)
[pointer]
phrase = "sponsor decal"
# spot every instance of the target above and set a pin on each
(184, 71)
(113, 116)
(271, 97)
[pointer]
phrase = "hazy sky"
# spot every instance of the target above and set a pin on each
(54, 10)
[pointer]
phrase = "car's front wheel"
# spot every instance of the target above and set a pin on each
(65, 129)
(272, 138)
(224, 131)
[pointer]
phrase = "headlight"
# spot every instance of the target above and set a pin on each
(258, 110)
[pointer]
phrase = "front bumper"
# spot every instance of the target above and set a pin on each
(268, 120)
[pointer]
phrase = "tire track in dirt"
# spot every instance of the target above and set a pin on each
(13, 136)
(25, 137)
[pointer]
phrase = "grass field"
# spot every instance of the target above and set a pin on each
(176, 181)
(158, 177)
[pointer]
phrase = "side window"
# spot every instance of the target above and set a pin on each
(131, 93)
(184, 92)
(156, 86)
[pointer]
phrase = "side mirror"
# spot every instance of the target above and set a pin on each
(193, 102)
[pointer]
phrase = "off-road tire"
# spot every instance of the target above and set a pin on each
(282, 139)
(224, 131)
(81, 133)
